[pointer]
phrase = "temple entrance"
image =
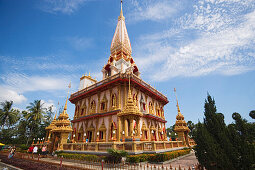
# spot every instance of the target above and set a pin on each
(55, 142)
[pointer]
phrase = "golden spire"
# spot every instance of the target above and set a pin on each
(129, 90)
(121, 17)
(178, 108)
(121, 13)
(130, 108)
(179, 115)
(180, 124)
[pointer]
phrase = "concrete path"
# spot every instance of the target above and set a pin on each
(4, 166)
(185, 162)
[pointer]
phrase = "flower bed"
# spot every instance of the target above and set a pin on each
(159, 157)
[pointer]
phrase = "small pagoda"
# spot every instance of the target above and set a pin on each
(181, 127)
(58, 131)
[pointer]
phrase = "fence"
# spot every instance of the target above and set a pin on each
(79, 164)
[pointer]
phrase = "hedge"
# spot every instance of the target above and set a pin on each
(80, 156)
(159, 157)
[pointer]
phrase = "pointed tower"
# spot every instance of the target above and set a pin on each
(130, 115)
(122, 107)
(120, 59)
(62, 130)
(181, 127)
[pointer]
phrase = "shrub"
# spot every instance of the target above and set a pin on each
(79, 156)
(159, 157)
(24, 147)
(134, 159)
(115, 156)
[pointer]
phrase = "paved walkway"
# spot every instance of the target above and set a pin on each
(185, 162)
(5, 166)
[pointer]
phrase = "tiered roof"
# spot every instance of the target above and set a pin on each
(63, 122)
(180, 123)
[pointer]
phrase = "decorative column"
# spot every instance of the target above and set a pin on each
(126, 127)
(131, 126)
(124, 94)
(98, 103)
(119, 130)
(119, 97)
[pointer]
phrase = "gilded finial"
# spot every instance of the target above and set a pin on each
(89, 74)
(69, 86)
(121, 13)
(178, 108)
(121, 17)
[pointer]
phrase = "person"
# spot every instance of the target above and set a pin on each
(35, 149)
(12, 152)
(44, 150)
(30, 149)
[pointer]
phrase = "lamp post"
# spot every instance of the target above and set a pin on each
(73, 138)
(84, 136)
(133, 136)
(152, 132)
(114, 132)
(176, 138)
(97, 137)
(123, 136)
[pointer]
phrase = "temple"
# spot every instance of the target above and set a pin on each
(121, 111)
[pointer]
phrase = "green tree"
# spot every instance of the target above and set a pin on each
(8, 115)
(35, 117)
(171, 133)
(36, 111)
(252, 114)
(214, 149)
(23, 128)
(242, 137)
(191, 127)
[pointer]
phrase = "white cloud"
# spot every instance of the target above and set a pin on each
(80, 43)
(48, 63)
(217, 37)
(15, 85)
(49, 103)
(24, 83)
(154, 10)
(7, 94)
(62, 6)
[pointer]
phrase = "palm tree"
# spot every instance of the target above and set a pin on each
(8, 116)
(36, 111)
(34, 116)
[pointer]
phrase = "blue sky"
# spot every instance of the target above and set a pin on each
(195, 46)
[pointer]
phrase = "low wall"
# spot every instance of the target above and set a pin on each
(131, 147)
